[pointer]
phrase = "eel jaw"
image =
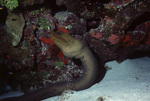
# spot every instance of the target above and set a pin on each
(70, 46)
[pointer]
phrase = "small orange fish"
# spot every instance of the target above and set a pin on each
(1, 8)
(34, 27)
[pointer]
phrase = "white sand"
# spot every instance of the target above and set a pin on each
(127, 81)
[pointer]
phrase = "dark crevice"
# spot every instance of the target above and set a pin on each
(139, 20)
(140, 54)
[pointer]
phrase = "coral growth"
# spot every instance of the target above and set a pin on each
(113, 29)
(114, 39)
(97, 35)
(10, 4)
(71, 22)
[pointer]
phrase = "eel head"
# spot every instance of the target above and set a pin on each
(70, 46)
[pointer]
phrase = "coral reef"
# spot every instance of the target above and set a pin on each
(71, 22)
(115, 27)
(112, 29)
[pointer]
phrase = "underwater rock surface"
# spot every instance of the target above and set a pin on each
(15, 24)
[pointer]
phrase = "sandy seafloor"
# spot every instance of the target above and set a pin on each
(127, 81)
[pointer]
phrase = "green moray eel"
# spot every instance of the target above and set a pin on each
(71, 48)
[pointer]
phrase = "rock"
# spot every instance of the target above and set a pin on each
(15, 24)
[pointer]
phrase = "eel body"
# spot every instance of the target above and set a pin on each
(71, 48)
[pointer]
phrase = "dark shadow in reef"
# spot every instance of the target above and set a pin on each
(140, 54)
(48, 4)
(138, 20)
(3, 16)
(7, 78)
(51, 4)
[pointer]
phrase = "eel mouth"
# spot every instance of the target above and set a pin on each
(60, 39)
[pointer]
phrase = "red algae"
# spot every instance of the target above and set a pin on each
(47, 40)
(114, 39)
(63, 29)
